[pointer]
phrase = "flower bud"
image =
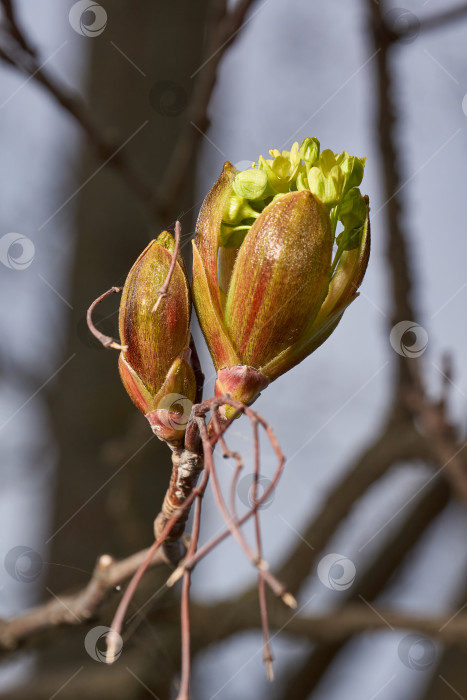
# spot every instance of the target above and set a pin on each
(155, 364)
(267, 286)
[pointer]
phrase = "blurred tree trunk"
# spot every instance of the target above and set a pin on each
(98, 431)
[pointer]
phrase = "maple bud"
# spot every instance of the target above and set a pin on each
(271, 275)
(155, 368)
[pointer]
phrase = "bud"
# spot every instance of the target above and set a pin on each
(272, 275)
(155, 364)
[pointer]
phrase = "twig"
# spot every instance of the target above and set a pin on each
(267, 654)
(185, 607)
(165, 532)
(301, 682)
(449, 452)
(211, 404)
(397, 442)
(222, 34)
(170, 522)
(159, 204)
(186, 468)
(106, 340)
(10, 15)
(276, 586)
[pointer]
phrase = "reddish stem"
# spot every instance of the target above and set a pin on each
(233, 525)
(117, 622)
(106, 340)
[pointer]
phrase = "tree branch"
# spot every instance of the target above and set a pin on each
(20, 54)
(77, 608)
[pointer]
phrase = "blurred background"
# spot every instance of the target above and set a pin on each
(116, 118)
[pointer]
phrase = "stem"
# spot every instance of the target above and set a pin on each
(165, 531)
(232, 523)
(106, 340)
(267, 655)
(186, 469)
(184, 692)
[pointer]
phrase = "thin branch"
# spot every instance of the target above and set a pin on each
(369, 584)
(397, 246)
(276, 586)
(165, 532)
(397, 442)
(448, 449)
(223, 32)
(202, 409)
(184, 692)
(186, 468)
(160, 204)
(79, 607)
(358, 618)
(267, 654)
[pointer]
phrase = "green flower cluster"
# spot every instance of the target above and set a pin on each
(333, 178)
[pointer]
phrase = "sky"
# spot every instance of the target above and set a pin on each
(298, 69)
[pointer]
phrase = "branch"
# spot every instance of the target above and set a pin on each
(358, 618)
(441, 435)
(224, 30)
(397, 248)
(20, 54)
(303, 680)
(397, 442)
(77, 608)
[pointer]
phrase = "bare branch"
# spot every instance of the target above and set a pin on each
(20, 54)
(76, 608)
(357, 618)
(448, 450)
